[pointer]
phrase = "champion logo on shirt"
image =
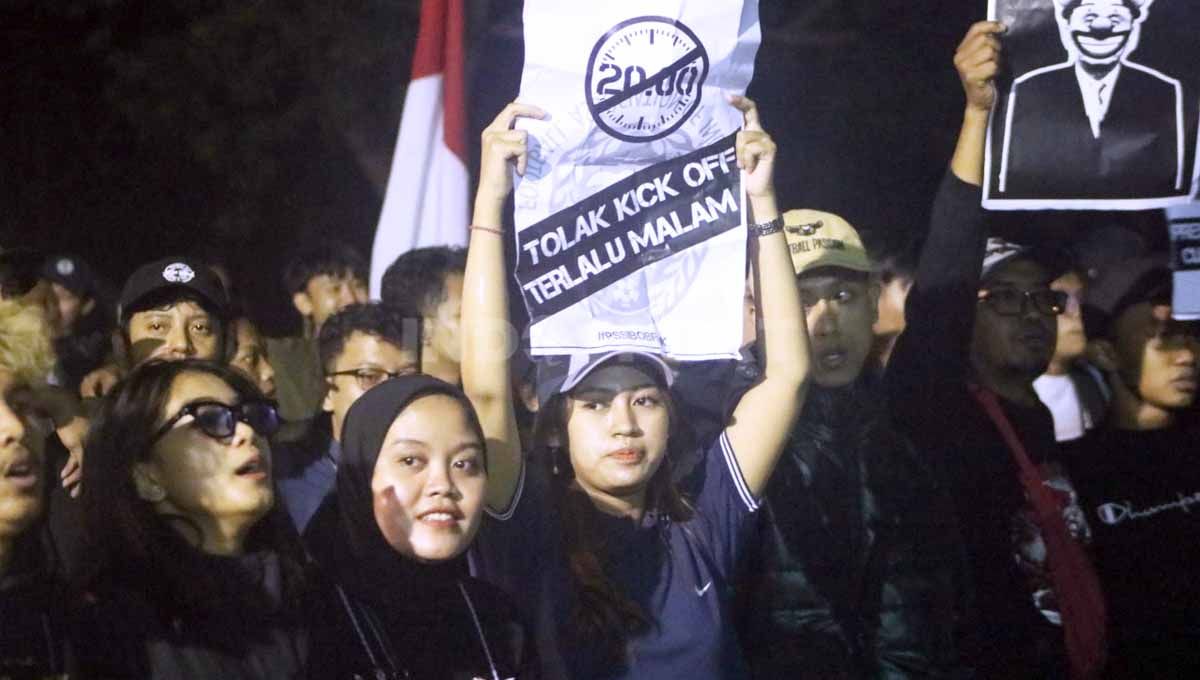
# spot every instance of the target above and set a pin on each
(1113, 514)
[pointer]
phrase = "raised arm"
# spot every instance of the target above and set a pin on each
(977, 61)
(488, 337)
(764, 415)
(941, 306)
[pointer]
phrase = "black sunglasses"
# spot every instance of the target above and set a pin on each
(1011, 302)
(219, 420)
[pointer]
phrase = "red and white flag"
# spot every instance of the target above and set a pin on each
(426, 199)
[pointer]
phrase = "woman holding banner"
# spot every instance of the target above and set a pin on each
(621, 573)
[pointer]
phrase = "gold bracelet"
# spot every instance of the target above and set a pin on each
(493, 230)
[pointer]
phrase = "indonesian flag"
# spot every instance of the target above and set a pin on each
(426, 199)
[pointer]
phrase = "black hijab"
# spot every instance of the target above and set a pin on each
(374, 570)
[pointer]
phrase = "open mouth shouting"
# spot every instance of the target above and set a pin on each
(1100, 44)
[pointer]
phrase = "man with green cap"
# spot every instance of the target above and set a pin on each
(857, 549)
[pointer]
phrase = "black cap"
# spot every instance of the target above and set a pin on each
(999, 252)
(188, 275)
(70, 272)
(1140, 279)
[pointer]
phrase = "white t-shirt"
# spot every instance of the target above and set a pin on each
(1059, 395)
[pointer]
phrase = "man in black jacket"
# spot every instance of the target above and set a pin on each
(855, 571)
(960, 383)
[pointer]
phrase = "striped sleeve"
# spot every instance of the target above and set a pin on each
(735, 473)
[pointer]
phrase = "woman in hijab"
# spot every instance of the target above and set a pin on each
(410, 489)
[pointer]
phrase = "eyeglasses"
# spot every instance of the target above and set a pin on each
(1011, 302)
(219, 420)
(370, 377)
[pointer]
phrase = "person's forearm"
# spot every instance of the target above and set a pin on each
(485, 322)
(967, 163)
(784, 347)
(487, 347)
(764, 415)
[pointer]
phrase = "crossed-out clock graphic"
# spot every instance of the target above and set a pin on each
(644, 78)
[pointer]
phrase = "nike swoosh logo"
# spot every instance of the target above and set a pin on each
(700, 591)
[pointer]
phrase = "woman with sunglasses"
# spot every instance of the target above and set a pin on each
(624, 575)
(190, 571)
(410, 489)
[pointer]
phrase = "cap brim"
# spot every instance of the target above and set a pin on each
(577, 372)
(561, 373)
(849, 262)
(1056, 261)
(127, 309)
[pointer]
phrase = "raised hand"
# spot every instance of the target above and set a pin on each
(755, 150)
(501, 149)
(978, 61)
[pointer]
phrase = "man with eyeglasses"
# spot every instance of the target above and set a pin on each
(359, 347)
(1139, 476)
(960, 384)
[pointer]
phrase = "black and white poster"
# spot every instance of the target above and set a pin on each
(1097, 105)
(630, 221)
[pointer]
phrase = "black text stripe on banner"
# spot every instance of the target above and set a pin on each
(654, 213)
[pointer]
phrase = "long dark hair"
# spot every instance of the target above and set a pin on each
(130, 546)
(604, 616)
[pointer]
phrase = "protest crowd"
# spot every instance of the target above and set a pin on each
(976, 465)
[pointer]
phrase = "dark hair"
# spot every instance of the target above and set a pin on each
(899, 264)
(331, 258)
(1132, 6)
(373, 318)
(604, 616)
(129, 546)
(417, 279)
(18, 272)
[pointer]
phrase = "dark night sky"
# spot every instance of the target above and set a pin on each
(861, 96)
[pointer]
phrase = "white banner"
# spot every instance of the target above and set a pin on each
(630, 221)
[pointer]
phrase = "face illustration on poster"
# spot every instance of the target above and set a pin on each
(1097, 130)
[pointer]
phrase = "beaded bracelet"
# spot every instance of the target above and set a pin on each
(493, 230)
(767, 228)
